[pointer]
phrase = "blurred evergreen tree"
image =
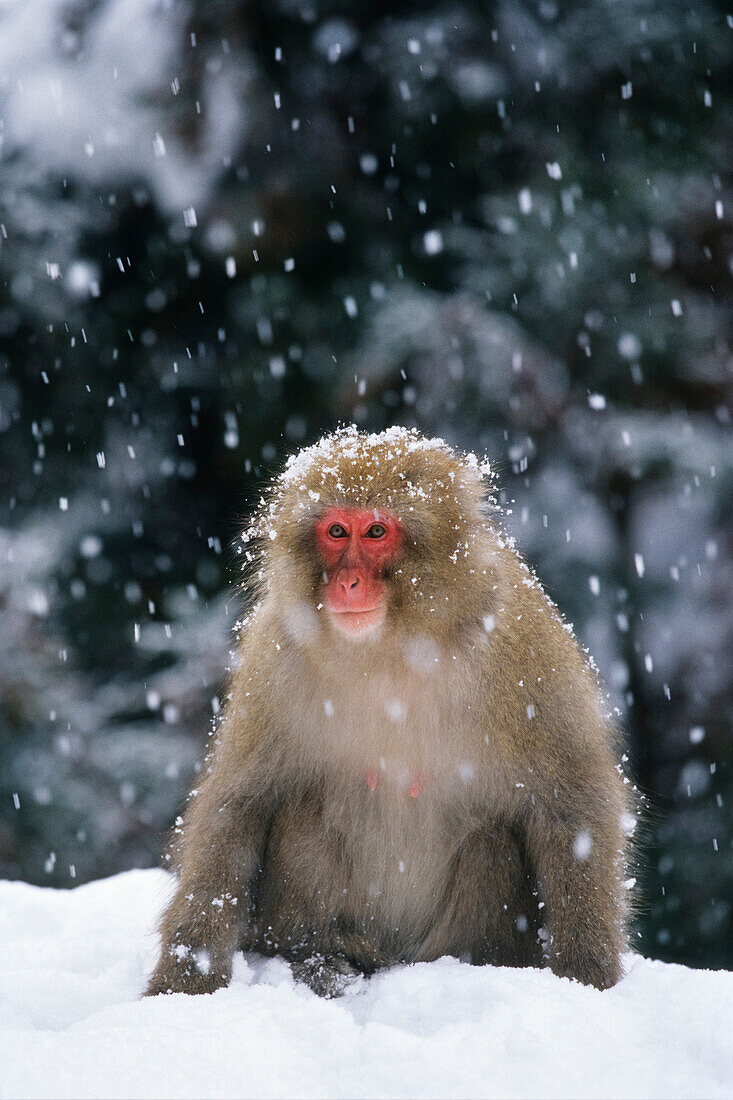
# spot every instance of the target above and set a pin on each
(226, 226)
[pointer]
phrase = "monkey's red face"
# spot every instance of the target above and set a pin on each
(356, 548)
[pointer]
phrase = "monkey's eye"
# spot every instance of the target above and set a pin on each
(336, 531)
(376, 531)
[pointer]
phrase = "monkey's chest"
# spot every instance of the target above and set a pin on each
(397, 843)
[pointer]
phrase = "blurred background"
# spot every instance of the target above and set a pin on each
(227, 226)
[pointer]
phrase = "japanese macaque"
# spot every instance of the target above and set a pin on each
(413, 759)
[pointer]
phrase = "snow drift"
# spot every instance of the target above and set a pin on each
(72, 1023)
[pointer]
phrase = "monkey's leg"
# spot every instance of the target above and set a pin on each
(220, 854)
(490, 912)
(580, 868)
(301, 898)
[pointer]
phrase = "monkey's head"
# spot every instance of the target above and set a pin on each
(363, 534)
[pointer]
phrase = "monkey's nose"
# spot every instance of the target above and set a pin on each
(349, 581)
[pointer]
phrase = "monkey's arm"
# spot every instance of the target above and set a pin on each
(556, 746)
(219, 850)
(575, 843)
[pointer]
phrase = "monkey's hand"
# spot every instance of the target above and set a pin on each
(199, 938)
(181, 969)
(595, 964)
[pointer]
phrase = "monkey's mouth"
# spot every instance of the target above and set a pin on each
(357, 623)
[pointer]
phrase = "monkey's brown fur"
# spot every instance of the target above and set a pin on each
(512, 851)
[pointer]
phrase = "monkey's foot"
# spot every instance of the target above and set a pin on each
(327, 975)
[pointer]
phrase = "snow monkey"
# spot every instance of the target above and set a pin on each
(413, 759)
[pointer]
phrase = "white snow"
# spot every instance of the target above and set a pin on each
(89, 106)
(73, 964)
(433, 242)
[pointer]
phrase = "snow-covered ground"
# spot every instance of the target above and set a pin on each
(73, 963)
